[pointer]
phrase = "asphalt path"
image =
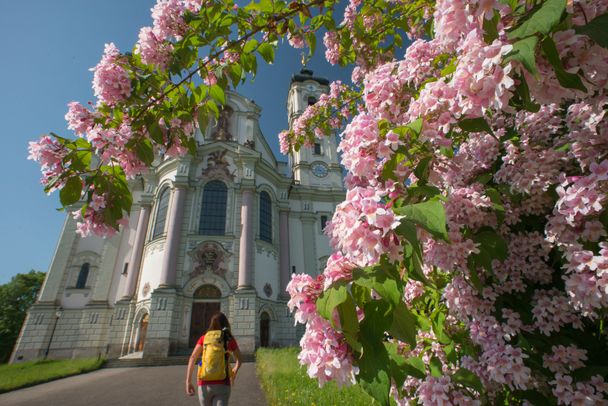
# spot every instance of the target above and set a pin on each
(145, 386)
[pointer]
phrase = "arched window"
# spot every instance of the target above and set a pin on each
(82, 276)
(213, 212)
(161, 213)
(265, 217)
(312, 100)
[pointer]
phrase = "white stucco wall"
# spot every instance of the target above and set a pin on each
(151, 268)
(266, 263)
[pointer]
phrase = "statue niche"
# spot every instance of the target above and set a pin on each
(222, 132)
(209, 257)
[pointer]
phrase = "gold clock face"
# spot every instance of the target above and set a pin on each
(319, 169)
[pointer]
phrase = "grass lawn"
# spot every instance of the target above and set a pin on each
(24, 374)
(285, 382)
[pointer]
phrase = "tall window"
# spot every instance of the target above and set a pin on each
(317, 150)
(213, 212)
(161, 213)
(265, 217)
(82, 276)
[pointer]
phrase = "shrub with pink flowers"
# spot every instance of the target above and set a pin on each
(471, 251)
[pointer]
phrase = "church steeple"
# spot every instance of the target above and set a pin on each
(316, 166)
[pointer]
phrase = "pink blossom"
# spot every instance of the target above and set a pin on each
(79, 118)
(153, 51)
(111, 81)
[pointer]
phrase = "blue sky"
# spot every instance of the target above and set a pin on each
(47, 48)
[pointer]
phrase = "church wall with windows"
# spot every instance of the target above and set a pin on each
(219, 231)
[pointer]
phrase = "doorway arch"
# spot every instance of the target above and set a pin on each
(142, 331)
(205, 303)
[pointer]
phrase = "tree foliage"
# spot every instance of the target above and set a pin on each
(16, 297)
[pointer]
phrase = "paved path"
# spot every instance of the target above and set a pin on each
(145, 386)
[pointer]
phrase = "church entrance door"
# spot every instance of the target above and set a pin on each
(201, 316)
(143, 330)
(264, 330)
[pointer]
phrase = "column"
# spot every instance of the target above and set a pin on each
(138, 249)
(308, 234)
(246, 243)
(284, 272)
(175, 217)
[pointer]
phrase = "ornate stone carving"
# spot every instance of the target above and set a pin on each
(146, 289)
(268, 290)
(222, 132)
(250, 144)
(210, 256)
(218, 167)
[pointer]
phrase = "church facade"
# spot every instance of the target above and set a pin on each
(219, 231)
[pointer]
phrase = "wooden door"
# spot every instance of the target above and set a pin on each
(199, 322)
(143, 329)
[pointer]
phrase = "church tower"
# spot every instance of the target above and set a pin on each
(317, 166)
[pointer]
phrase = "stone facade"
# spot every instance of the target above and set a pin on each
(149, 289)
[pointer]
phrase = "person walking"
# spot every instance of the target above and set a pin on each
(215, 376)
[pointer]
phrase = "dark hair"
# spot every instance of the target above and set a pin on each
(219, 321)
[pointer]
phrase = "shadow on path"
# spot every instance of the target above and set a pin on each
(145, 386)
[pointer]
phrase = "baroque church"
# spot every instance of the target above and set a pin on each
(221, 231)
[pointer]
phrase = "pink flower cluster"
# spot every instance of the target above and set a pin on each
(49, 153)
(79, 118)
(111, 81)
(90, 221)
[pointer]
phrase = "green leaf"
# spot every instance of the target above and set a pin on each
(429, 215)
(524, 52)
(475, 125)
(467, 378)
(349, 323)
(71, 191)
(267, 52)
(435, 367)
(415, 367)
(217, 94)
(398, 367)
(213, 108)
(377, 278)
(415, 126)
(422, 170)
(566, 79)
(329, 299)
(156, 133)
(144, 151)
(203, 120)
(388, 171)
(374, 364)
(542, 20)
(404, 325)
(522, 99)
(250, 46)
(596, 29)
(490, 28)
(493, 243)
(438, 324)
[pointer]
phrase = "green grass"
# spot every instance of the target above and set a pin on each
(285, 382)
(24, 374)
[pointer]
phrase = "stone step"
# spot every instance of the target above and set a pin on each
(146, 362)
(152, 362)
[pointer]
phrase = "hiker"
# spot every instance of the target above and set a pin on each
(214, 375)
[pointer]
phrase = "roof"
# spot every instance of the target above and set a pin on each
(307, 74)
